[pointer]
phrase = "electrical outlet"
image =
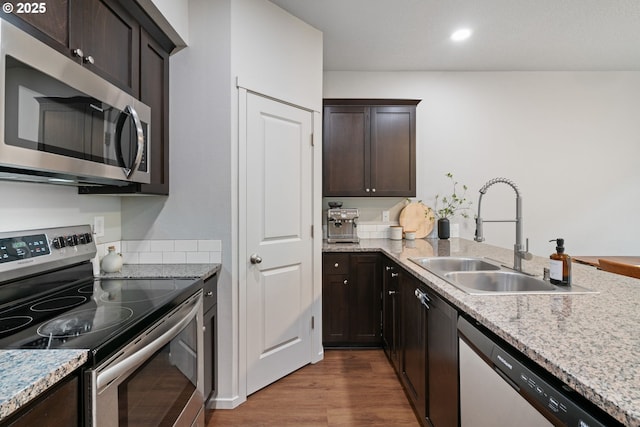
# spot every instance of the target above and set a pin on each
(385, 216)
(98, 226)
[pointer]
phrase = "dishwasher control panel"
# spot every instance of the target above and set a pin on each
(534, 388)
(555, 401)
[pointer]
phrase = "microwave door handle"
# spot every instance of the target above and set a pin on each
(129, 111)
(106, 377)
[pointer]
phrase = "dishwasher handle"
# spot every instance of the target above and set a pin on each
(422, 297)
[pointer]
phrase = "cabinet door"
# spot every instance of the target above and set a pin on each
(335, 309)
(56, 407)
(109, 39)
(154, 92)
(345, 163)
(365, 310)
(335, 298)
(414, 341)
(442, 347)
(393, 151)
(391, 312)
(51, 26)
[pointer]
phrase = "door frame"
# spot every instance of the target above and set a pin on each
(317, 351)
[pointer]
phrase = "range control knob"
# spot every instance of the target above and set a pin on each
(88, 238)
(59, 242)
(72, 240)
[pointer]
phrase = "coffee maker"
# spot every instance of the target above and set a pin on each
(342, 225)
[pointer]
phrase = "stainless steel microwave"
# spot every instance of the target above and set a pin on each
(61, 123)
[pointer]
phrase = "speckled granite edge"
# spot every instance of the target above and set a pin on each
(187, 271)
(590, 342)
(28, 373)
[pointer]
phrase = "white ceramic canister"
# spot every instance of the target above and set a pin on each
(395, 232)
(410, 235)
(112, 261)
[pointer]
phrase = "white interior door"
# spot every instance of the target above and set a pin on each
(279, 248)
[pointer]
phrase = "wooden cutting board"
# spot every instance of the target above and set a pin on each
(417, 217)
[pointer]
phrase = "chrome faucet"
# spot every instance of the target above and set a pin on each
(519, 251)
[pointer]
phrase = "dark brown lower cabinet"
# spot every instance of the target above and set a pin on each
(414, 344)
(429, 353)
(210, 308)
(442, 363)
(391, 314)
(351, 304)
(57, 407)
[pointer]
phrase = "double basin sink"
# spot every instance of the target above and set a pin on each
(479, 276)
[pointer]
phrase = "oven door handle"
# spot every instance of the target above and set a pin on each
(168, 330)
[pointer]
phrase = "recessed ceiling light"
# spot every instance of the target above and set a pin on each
(461, 34)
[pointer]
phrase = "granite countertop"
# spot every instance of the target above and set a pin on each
(132, 271)
(28, 373)
(589, 341)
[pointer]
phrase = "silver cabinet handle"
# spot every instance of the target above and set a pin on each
(255, 259)
(346, 282)
(78, 53)
(373, 189)
(209, 294)
(393, 292)
(367, 190)
(88, 60)
(388, 268)
(424, 299)
(395, 274)
(335, 265)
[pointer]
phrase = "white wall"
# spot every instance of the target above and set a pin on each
(28, 205)
(172, 16)
(570, 140)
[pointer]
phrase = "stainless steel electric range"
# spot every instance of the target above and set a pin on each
(143, 335)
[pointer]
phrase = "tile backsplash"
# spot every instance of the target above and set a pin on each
(166, 251)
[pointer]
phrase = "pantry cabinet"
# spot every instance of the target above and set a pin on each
(369, 148)
(351, 304)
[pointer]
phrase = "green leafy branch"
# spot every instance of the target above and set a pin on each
(457, 203)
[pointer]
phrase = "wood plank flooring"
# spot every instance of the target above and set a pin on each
(347, 388)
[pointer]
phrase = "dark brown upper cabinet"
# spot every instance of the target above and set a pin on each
(369, 148)
(99, 34)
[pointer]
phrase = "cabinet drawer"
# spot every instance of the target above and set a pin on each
(210, 292)
(334, 263)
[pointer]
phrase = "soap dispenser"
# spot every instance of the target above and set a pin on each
(560, 265)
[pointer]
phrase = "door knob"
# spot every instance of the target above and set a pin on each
(255, 259)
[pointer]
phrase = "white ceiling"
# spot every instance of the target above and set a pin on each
(522, 35)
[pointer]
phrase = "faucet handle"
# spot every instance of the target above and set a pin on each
(526, 254)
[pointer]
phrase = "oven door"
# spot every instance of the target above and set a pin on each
(157, 379)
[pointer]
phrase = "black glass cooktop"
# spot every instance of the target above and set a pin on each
(72, 309)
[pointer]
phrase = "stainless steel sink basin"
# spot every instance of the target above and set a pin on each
(477, 276)
(446, 264)
(498, 282)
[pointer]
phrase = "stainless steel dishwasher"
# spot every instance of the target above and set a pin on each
(498, 387)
